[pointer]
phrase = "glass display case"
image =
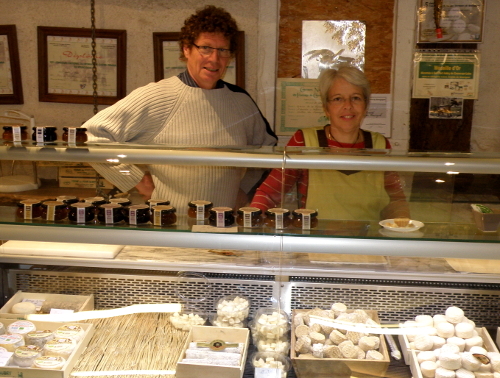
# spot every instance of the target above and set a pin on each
(448, 259)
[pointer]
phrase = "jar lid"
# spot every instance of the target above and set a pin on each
(312, 213)
(166, 208)
(222, 209)
(10, 127)
(197, 203)
(29, 202)
(253, 210)
(49, 128)
(52, 203)
(94, 199)
(119, 200)
(81, 205)
(277, 210)
(138, 207)
(157, 201)
(67, 198)
(110, 206)
(77, 128)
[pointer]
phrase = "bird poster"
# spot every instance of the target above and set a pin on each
(327, 44)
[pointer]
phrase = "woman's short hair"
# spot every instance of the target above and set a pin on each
(350, 74)
(209, 19)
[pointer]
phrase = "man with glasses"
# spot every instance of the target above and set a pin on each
(195, 108)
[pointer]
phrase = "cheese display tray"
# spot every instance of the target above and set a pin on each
(339, 367)
(206, 333)
(65, 371)
(56, 301)
(406, 351)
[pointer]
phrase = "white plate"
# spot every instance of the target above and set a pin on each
(413, 226)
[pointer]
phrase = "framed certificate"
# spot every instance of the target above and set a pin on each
(11, 89)
(65, 65)
(450, 21)
(167, 61)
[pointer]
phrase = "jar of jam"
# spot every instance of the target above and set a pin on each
(29, 209)
(110, 213)
(277, 218)
(249, 217)
(163, 215)
(44, 134)
(199, 209)
(221, 217)
(157, 202)
(81, 212)
(137, 214)
(95, 202)
(15, 133)
(67, 200)
(121, 201)
(54, 210)
(305, 218)
(74, 135)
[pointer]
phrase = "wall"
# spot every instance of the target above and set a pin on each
(258, 19)
(139, 17)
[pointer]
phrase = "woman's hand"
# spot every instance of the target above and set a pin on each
(146, 186)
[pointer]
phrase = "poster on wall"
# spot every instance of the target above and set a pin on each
(65, 62)
(326, 44)
(446, 108)
(446, 74)
(450, 21)
(298, 106)
(11, 91)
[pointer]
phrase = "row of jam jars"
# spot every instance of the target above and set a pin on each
(44, 134)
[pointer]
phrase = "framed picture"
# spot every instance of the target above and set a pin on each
(167, 61)
(65, 65)
(450, 21)
(11, 89)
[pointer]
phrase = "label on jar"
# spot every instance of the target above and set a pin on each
(16, 133)
(200, 212)
(279, 220)
(108, 216)
(28, 211)
(132, 214)
(71, 135)
(80, 215)
(220, 219)
(306, 221)
(157, 217)
(51, 212)
(39, 135)
(247, 219)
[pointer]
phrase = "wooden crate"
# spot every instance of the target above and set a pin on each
(82, 302)
(339, 367)
(13, 371)
(407, 352)
(205, 333)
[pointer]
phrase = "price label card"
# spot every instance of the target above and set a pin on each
(267, 373)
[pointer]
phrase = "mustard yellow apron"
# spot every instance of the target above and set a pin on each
(349, 195)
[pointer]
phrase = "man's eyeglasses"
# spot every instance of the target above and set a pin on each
(207, 51)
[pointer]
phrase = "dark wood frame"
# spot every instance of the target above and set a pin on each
(44, 95)
(17, 96)
(158, 38)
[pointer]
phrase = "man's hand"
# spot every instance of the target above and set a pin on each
(146, 186)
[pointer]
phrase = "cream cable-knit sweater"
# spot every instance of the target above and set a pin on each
(174, 114)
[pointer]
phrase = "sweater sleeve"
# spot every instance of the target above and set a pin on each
(137, 118)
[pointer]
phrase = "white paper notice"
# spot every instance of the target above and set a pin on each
(267, 373)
